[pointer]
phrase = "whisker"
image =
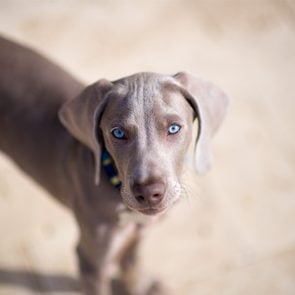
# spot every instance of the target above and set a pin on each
(190, 191)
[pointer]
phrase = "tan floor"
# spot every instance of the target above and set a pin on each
(234, 232)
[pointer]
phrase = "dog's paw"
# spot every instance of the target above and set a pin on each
(157, 288)
(152, 287)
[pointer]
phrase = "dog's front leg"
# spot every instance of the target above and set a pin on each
(133, 279)
(100, 252)
(95, 259)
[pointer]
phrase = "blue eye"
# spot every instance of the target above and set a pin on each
(173, 129)
(119, 133)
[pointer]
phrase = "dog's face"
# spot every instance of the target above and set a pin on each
(147, 128)
(145, 122)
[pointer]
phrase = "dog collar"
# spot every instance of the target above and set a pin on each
(110, 169)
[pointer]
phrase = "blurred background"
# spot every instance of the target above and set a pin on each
(234, 231)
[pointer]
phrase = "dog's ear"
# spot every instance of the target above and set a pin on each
(81, 117)
(210, 105)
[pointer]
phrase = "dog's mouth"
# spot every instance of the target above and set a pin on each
(152, 211)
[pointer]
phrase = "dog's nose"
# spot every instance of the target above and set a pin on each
(150, 194)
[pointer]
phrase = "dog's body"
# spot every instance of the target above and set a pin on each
(145, 123)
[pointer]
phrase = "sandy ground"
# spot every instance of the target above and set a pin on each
(234, 231)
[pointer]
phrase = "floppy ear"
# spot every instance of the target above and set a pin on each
(81, 115)
(210, 105)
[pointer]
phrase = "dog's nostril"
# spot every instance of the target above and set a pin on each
(140, 199)
(156, 197)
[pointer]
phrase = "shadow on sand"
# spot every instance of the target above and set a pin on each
(38, 282)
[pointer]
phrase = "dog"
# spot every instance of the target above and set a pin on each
(105, 150)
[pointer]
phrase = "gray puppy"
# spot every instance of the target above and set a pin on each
(108, 146)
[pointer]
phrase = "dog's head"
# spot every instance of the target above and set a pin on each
(145, 123)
